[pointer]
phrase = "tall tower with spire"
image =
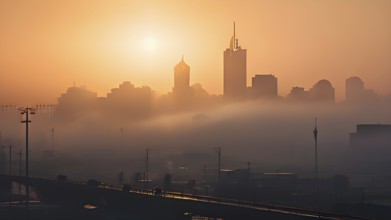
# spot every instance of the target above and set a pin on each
(182, 92)
(181, 76)
(235, 70)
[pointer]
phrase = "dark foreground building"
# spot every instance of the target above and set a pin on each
(371, 137)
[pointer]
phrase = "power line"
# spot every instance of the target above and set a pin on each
(27, 111)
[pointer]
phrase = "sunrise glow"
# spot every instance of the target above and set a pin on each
(150, 44)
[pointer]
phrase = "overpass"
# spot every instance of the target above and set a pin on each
(170, 205)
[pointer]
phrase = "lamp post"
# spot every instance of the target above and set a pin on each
(10, 173)
(27, 111)
(10, 165)
(122, 136)
(53, 141)
(315, 132)
(218, 151)
(147, 169)
(20, 171)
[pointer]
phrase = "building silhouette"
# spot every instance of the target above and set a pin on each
(371, 137)
(297, 94)
(76, 102)
(322, 91)
(181, 77)
(264, 86)
(370, 147)
(124, 102)
(235, 72)
(356, 93)
(354, 86)
(128, 101)
(182, 93)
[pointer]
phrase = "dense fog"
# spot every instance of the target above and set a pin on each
(274, 136)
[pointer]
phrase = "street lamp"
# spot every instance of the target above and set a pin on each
(315, 132)
(10, 167)
(218, 151)
(20, 171)
(121, 130)
(147, 169)
(52, 141)
(27, 111)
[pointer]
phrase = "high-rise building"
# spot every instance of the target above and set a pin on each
(369, 148)
(354, 87)
(322, 91)
(298, 94)
(128, 101)
(77, 101)
(235, 75)
(181, 77)
(182, 92)
(356, 93)
(264, 86)
(371, 136)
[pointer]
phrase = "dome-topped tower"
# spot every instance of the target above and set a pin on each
(323, 91)
(183, 94)
(181, 75)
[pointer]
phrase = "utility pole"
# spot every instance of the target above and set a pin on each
(122, 136)
(53, 141)
(218, 150)
(219, 167)
(315, 132)
(249, 179)
(10, 167)
(147, 168)
(27, 111)
(249, 170)
(20, 170)
(205, 173)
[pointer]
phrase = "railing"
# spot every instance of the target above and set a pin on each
(223, 201)
(244, 204)
(261, 206)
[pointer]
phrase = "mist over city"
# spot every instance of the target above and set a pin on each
(227, 126)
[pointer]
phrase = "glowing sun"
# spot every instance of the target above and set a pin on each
(150, 44)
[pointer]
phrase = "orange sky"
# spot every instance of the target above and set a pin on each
(47, 45)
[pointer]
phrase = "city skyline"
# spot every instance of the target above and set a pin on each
(222, 109)
(100, 46)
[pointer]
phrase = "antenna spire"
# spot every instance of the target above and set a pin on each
(234, 44)
(234, 33)
(316, 130)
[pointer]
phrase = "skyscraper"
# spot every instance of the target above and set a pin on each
(183, 93)
(128, 101)
(76, 102)
(356, 93)
(354, 88)
(322, 91)
(264, 86)
(181, 76)
(235, 75)
(370, 138)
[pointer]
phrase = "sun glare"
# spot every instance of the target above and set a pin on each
(150, 44)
